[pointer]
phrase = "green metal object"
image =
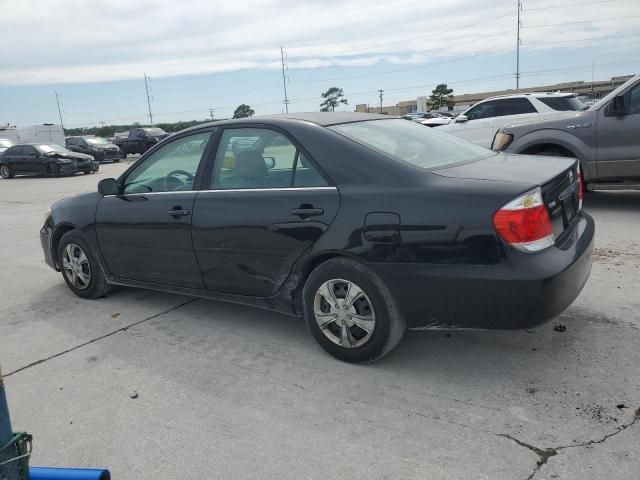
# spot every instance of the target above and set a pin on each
(15, 448)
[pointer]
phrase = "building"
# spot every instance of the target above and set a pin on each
(588, 90)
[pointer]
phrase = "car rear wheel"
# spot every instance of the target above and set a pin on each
(6, 172)
(80, 268)
(350, 312)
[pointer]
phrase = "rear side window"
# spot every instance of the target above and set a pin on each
(514, 106)
(261, 158)
(412, 143)
(563, 104)
(14, 151)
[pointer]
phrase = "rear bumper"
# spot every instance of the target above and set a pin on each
(522, 291)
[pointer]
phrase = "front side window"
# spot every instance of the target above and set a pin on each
(172, 167)
(261, 158)
(484, 110)
(412, 143)
(514, 106)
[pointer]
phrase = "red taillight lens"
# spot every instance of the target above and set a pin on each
(524, 223)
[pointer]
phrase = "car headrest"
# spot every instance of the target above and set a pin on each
(250, 164)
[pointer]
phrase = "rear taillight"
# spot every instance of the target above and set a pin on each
(580, 189)
(524, 223)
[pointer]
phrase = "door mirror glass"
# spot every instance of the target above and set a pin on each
(462, 119)
(617, 106)
(108, 186)
(270, 161)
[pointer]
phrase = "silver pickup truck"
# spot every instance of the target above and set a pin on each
(605, 138)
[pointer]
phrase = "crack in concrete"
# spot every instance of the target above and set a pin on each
(97, 339)
(545, 454)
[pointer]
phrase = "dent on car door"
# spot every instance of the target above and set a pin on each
(265, 204)
(145, 232)
(618, 152)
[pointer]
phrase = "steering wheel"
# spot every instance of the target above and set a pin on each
(171, 177)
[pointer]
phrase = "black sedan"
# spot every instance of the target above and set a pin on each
(362, 224)
(42, 159)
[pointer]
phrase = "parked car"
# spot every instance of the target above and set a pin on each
(435, 121)
(99, 148)
(36, 158)
(605, 138)
(362, 224)
(420, 116)
(139, 140)
(4, 144)
(479, 123)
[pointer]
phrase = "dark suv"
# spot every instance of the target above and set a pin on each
(99, 148)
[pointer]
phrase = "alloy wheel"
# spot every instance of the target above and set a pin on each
(76, 267)
(5, 172)
(344, 313)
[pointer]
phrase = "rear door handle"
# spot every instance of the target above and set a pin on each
(179, 213)
(307, 212)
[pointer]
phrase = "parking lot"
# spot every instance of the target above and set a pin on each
(161, 386)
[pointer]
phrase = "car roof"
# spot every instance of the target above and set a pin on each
(324, 119)
(534, 95)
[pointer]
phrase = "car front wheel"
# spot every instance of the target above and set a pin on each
(80, 268)
(5, 172)
(350, 312)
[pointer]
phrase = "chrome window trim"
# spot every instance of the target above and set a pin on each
(229, 190)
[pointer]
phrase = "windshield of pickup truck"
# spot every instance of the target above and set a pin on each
(97, 141)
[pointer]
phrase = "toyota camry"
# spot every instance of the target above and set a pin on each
(361, 224)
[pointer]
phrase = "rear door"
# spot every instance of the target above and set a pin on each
(264, 204)
(510, 111)
(478, 128)
(618, 150)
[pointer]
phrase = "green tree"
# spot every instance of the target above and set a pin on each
(243, 111)
(105, 131)
(332, 99)
(441, 96)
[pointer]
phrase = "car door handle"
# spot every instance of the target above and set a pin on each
(179, 213)
(307, 212)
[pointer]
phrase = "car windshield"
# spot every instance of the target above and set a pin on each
(97, 141)
(563, 104)
(412, 143)
(154, 132)
(52, 148)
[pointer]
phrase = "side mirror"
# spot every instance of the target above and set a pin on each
(617, 106)
(270, 161)
(462, 119)
(108, 186)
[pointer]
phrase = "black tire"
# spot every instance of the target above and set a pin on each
(6, 172)
(389, 323)
(117, 160)
(87, 172)
(55, 170)
(97, 285)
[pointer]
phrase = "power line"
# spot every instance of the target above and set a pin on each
(606, 37)
(576, 4)
(580, 22)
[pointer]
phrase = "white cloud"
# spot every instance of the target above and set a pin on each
(67, 41)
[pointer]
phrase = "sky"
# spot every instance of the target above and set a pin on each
(210, 54)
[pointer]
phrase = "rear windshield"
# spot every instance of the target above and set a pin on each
(412, 142)
(563, 104)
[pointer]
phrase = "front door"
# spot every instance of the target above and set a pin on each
(33, 160)
(478, 127)
(619, 140)
(264, 206)
(145, 232)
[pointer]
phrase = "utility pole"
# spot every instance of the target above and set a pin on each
(58, 98)
(380, 92)
(147, 87)
(284, 79)
(211, 110)
(593, 70)
(518, 48)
